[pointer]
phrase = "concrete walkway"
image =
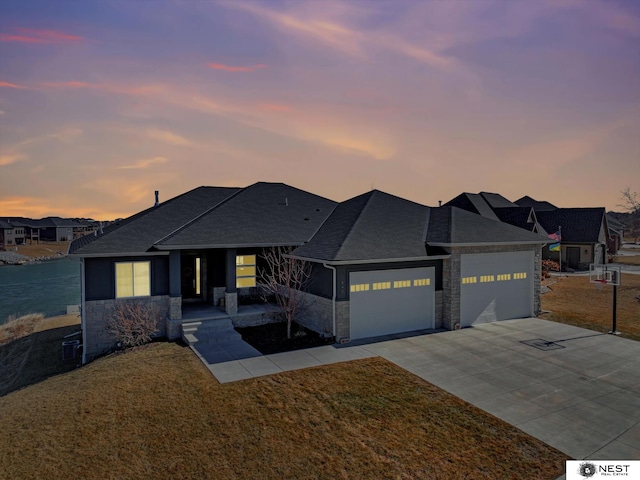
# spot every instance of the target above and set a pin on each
(575, 389)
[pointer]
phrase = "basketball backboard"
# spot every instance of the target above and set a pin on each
(604, 274)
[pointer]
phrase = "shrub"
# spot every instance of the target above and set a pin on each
(133, 324)
(549, 266)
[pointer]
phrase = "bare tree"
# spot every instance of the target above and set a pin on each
(631, 203)
(285, 278)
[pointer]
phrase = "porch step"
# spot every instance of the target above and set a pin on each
(209, 331)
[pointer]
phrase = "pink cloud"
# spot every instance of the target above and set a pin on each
(230, 68)
(11, 85)
(70, 84)
(30, 35)
(275, 107)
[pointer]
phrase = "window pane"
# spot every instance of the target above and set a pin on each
(245, 271)
(124, 280)
(245, 260)
(246, 282)
(141, 276)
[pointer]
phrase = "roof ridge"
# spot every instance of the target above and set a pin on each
(198, 217)
(357, 220)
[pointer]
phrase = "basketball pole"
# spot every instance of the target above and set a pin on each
(614, 330)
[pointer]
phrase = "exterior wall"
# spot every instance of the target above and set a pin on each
(317, 314)
(439, 309)
(343, 330)
(451, 279)
(10, 237)
(64, 233)
(96, 315)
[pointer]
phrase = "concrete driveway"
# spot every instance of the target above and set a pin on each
(572, 388)
(580, 394)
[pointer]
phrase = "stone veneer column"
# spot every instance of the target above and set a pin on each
(174, 319)
(451, 290)
(231, 303)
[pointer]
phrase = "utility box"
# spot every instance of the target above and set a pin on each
(70, 349)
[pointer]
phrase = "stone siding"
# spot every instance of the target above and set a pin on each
(451, 280)
(343, 327)
(98, 312)
(317, 313)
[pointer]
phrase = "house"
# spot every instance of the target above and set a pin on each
(379, 263)
(497, 207)
(56, 229)
(584, 232)
(12, 234)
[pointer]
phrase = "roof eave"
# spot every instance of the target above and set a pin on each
(117, 254)
(487, 244)
(369, 260)
(227, 245)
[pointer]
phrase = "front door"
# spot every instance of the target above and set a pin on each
(191, 276)
(573, 257)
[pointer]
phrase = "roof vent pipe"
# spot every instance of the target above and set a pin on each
(439, 203)
(157, 201)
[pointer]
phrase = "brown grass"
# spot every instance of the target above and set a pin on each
(58, 322)
(33, 352)
(627, 259)
(576, 301)
(156, 412)
(15, 328)
(43, 249)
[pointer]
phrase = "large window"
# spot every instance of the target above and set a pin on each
(133, 279)
(245, 271)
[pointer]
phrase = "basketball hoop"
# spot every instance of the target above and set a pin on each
(607, 275)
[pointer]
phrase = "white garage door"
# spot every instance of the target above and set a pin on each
(391, 301)
(496, 286)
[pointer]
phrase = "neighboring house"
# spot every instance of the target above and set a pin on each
(380, 264)
(11, 234)
(585, 232)
(496, 207)
(56, 229)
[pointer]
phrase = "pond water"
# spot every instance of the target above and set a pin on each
(46, 287)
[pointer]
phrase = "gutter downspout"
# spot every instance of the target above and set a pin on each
(83, 318)
(333, 298)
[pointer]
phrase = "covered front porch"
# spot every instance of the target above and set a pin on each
(216, 283)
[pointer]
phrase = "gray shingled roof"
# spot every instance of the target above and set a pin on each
(379, 226)
(472, 202)
(210, 217)
(374, 225)
(140, 232)
(495, 200)
(516, 216)
(454, 226)
(261, 214)
(580, 225)
(541, 206)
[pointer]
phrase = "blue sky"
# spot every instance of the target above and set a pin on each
(103, 102)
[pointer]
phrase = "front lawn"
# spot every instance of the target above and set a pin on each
(156, 412)
(576, 301)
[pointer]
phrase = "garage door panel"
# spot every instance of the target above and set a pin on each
(391, 301)
(496, 286)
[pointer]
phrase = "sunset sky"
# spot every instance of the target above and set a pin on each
(103, 102)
